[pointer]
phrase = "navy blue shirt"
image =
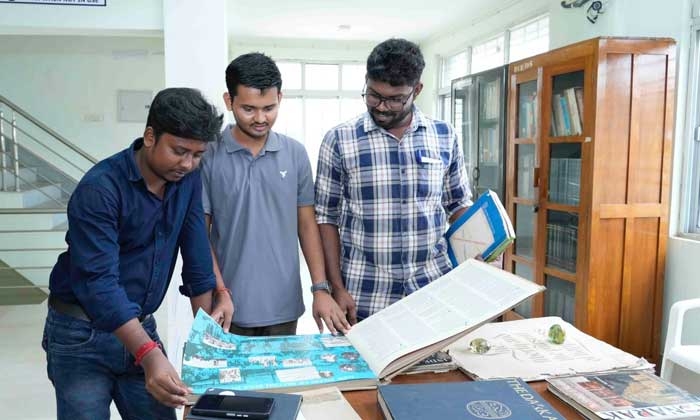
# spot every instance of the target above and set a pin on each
(123, 242)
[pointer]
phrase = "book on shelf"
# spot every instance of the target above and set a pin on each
(326, 403)
(483, 230)
(499, 399)
(567, 112)
(522, 349)
(286, 406)
(377, 348)
(625, 395)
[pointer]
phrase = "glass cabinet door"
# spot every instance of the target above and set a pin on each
(464, 120)
(563, 155)
(490, 170)
(527, 110)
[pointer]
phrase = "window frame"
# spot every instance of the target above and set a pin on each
(690, 191)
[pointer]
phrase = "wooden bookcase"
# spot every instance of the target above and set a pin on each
(587, 184)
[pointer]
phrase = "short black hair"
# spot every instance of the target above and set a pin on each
(255, 70)
(396, 61)
(184, 112)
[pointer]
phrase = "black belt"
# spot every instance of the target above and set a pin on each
(76, 311)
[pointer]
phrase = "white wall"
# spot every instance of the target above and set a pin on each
(68, 82)
(132, 17)
(309, 50)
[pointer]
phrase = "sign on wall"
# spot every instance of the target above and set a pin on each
(60, 2)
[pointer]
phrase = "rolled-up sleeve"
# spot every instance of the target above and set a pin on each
(197, 274)
(206, 180)
(329, 181)
(456, 193)
(93, 215)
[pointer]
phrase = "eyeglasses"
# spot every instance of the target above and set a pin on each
(393, 104)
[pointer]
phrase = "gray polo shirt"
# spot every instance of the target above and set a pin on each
(253, 202)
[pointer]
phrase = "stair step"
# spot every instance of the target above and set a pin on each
(17, 289)
(25, 175)
(33, 221)
(31, 198)
(30, 258)
(39, 239)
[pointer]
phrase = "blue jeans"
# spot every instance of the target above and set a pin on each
(89, 368)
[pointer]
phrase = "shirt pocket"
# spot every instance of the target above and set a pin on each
(431, 170)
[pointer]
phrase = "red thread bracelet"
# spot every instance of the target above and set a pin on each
(222, 290)
(144, 350)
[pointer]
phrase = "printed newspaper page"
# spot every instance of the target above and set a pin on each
(471, 294)
(522, 349)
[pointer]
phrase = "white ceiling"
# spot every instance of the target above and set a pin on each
(368, 20)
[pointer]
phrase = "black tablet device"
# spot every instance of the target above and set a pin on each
(233, 407)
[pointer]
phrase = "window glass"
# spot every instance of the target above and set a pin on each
(454, 67)
(529, 39)
(353, 76)
(291, 74)
(488, 55)
(321, 77)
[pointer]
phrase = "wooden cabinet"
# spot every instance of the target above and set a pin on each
(479, 116)
(587, 184)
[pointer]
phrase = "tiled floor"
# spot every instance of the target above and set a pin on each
(25, 391)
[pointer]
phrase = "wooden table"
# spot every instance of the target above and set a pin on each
(365, 402)
(366, 405)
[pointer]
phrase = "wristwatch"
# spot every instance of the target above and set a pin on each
(324, 285)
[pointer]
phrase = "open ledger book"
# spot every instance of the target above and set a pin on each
(377, 348)
(484, 229)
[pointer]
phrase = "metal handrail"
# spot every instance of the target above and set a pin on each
(15, 128)
(35, 172)
(38, 188)
(44, 127)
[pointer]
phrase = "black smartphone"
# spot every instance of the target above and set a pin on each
(233, 406)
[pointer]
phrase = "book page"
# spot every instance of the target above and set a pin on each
(472, 238)
(326, 403)
(213, 358)
(522, 349)
(469, 295)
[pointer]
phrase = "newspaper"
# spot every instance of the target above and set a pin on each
(522, 349)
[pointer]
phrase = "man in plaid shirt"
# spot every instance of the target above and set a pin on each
(387, 183)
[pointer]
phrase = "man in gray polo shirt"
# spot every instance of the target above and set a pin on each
(258, 199)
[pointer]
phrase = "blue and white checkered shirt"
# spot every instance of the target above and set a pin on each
(391, 201)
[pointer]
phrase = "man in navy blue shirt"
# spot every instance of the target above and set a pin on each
(127, 219)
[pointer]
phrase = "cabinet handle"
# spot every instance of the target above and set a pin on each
(536, 178)
(475, 174)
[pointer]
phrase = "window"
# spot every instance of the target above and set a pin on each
(318, 96)
(690, 207)
(489, 54)
(451, 68)
(454, 67)
(524, 40)
(528, 39)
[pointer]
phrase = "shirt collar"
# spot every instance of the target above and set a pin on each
(132, 170)
(133, 173)
(273, 143)
(418, 120)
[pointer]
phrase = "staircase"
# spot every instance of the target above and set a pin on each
(39, 169)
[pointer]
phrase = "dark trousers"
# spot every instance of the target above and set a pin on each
(90, 368)
(287, 328)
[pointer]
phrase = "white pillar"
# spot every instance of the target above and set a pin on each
(196, 56)
(196, 46)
